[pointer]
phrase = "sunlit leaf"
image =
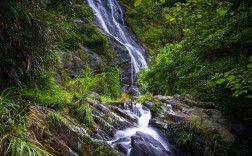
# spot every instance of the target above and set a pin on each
(231, 77)
(221, 11)
(220, 81)
(137, 3)
(199, 15)
(179, 8)
(249, 66)
(162, 1)
(168, 17)
(250, 58)
(166, 9)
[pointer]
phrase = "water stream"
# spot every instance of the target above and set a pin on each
(143, 115)
(109, 17)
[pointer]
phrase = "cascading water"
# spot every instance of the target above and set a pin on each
(143, 115)
(109, 16)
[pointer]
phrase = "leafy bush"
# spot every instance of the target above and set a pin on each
(146, 97)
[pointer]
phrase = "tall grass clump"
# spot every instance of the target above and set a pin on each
(13, 130)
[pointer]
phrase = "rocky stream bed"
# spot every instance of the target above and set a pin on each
(167, 125)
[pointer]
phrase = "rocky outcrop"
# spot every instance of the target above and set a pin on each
(123, 61)
(183, 126)
(189, 124)
(94, 60)
(145, 145)
(63, 136)
(121, 113)
(76, 62)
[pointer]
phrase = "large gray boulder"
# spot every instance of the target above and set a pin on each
(145, 145)
(74, 62)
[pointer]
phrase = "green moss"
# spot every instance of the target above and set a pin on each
(92, 148)
(155, 107)
(146, 97)
(105, 98)
(92, 38)
(103, 151)
(55, 119)
(83, 55)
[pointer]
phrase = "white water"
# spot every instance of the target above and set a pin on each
(143, 121)
(109, 16)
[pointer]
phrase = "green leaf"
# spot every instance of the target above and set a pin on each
(162, 1)
(179, 8)
(250, 58)
(137, 3)
(249, 66)
(172, 19)
(166, 9)
(221, 11)
(168, 17)
(220, 81)
(231, 77)
(199, 15)
(249, 96)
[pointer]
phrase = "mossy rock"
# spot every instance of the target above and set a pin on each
(91, 148)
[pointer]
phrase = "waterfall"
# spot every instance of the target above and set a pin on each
(143, 115)
(109, 17)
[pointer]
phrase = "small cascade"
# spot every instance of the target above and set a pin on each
(143, 115)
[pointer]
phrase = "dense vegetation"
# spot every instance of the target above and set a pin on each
(196, 47)
(37, 37)
(206, 53)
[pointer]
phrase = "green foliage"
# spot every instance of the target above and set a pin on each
(84, 114)
(92, 148)
(92, 38)
(54, 118)
(211, 62)
(20, 146)
(156, 105)
(238, 79)
(196, 124)
(109, 83)
(12, 131)
(150, 27)
(184, 137)
(47, 92)
(103, 151)
(106, 99)
(146, 97)
(32, 34)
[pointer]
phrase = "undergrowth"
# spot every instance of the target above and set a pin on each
(13, 131)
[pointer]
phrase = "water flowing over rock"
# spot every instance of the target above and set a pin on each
(145, 145)
(109, 17)
(137, 139)
(128, 128)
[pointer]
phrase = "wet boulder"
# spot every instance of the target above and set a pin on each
(145, 145)
(122, 147)
(124, 114)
